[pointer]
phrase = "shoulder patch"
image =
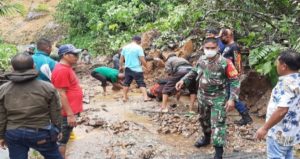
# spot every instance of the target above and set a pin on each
(231, 71)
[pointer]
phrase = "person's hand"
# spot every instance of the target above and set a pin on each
(148, 68)
(2, 144)
(179, 85)
(121, 68)
(71, 120)
(59, 136)
(229, 105)
(261, 133)
(156, 59)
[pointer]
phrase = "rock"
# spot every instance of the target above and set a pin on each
(104, 109)
(249, 137)
(166, 130)
(35, 15)
(253, 109)
(165, 54)
(148, 37)
(147, 154)
(88, 129)
(52, 31)
(86, 100)
(262, 112)
(243, 129)
(236, 148)
(129, 144)
(159, 130)
(154, 53)
(172, 45)
(173, 131)
(186, 50)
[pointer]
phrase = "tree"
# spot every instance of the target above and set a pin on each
(8, 8)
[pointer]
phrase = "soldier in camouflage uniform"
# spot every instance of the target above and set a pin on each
(213, 73)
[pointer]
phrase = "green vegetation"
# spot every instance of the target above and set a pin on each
(264, 27)
(263, 58)
(6, 52)
(9, 9)
(42, 8)
(110, 24)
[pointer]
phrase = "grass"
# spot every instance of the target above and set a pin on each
(42, 8)
(6, 52)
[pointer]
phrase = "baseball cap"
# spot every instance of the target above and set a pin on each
(212, 31)
(68, 48)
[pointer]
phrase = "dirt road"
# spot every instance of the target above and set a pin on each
(123, 132)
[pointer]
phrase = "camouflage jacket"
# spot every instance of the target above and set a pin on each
(214, 76)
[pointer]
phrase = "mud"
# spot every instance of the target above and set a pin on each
(110, 128)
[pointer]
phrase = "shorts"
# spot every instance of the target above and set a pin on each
(132, 75)
(169, 87)
(66, 132)
(101, 78)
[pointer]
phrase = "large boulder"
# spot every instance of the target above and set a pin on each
(148, 37)
(186, 50)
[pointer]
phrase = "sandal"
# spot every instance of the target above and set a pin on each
(164, 110)
(190, 114)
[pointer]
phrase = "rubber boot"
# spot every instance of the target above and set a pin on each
(203, 141)
(246, 119)
(218, 152)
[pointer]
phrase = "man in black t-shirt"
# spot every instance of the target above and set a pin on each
(232, 52)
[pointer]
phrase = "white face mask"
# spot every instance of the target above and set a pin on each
(210, 53)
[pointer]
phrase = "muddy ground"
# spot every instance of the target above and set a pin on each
(111, 128)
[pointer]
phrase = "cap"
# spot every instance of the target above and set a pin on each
(212, 31)
(68, 48)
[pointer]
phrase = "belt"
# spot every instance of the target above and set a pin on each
(32, 129)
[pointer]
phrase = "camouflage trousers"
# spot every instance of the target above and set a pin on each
(213, 117)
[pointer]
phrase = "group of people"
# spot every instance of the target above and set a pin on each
(40, 103)
(39, 106)
(215, 83)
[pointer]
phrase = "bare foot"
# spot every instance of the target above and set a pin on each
(125, 100)
(178, 96)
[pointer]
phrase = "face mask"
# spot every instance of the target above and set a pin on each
(210, 53)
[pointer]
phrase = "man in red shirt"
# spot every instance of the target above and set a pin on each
(65, 81)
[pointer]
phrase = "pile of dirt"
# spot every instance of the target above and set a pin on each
(189, 127)
(91, 119)
(24, 29)
(255, 91)
(177, 124)
(243, 136)
(129, 149)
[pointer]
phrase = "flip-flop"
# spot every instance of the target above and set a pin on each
(189, 114)
(162, 110)
(165, 110)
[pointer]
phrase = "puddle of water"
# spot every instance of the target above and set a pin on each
(130, 116)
